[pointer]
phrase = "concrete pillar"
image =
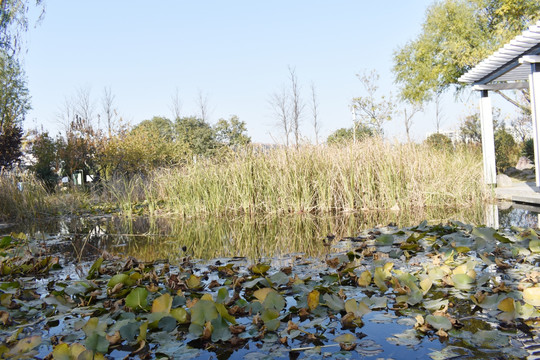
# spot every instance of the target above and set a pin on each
(488, 139)
(534, 85)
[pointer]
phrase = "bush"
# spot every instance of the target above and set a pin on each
(439, 142)
(528, 149)
(506, 150)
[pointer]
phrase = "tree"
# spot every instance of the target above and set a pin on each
(197, 134)
(14, 22)
(506, 150)
(439, 142)
(315, 114)
(159, 125)
(47, 162)
(346, 135)
(456, 35)
(232, 132)
(297, 106)
(372, 110)
(470, 130)
(14, 104)
(279, 102)
(408, 118)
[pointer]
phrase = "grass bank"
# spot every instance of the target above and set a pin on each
(372, 175)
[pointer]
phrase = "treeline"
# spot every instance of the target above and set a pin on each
(128, 150)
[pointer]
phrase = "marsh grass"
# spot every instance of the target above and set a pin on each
(24, 197)
(371, 175)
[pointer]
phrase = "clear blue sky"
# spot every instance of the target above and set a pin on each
(236, 53)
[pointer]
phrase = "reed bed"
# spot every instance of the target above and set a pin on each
(371, 175)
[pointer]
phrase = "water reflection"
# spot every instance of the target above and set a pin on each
(274, 236)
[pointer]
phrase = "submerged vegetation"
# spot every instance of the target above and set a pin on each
(387, 292)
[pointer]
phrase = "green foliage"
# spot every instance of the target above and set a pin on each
(10, 144)
(528, 149)
(197, 134)
(45, 151)
(232, 132)
(506, 150)
(439, 141)
(343, 136)
(470, 128)
(456, 35)
(14, 103)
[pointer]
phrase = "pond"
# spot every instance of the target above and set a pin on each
(303, 262)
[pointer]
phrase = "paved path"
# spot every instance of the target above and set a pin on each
(524, 192)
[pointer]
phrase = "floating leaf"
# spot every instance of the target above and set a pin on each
(25, 345)
(262, 293)
(220, 330)
(225, 314)
(507, 305)
(364, 279)
(334, 302)
(260, 269)
(181, 315)
(94, 269)
(162, 303)
(203, 311)
(313, 299)
(426, 285)
(534, 245)
(439, 322)
(193, 282)
(347, 338)
(532, 296)
(274, 301)
(462, 281)
(359, 309)
(385, 239)
(120, 279)
(137, 298)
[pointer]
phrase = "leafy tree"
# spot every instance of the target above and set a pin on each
(456, 35)
(158, 125)
(470, 129)
(439, 142)
(506, 149)
(232, 132)
(14, 103)
(345, 135)
(10, 144)
(197, 134)
(47, 165)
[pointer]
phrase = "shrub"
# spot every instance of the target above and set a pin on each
(439, 142)
(506, 150)
(528, 149)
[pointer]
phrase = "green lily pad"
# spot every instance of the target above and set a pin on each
(439, 322)
(137, 298)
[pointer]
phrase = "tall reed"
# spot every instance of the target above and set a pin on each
(21, 196)
(371, 175)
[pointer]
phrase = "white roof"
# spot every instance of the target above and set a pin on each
(504, 64)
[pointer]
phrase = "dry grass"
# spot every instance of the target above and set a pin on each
(372, 175)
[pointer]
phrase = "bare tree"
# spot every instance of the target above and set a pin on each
(107, 104)
(297, 106)
(372, 110)
(408, 119)
(315, 113)
(202, 103)
(279, 102)
(176, 104)
(84, 106)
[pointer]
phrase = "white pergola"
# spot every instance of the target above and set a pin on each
(514, 66)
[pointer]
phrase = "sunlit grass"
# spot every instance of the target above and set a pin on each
(372, 175)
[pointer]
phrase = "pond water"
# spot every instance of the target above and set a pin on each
(304, 244)
(273, 236)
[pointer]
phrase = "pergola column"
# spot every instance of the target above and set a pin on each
(488, 138)
(534, 89)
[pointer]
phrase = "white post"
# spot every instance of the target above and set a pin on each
(488, 139)
(534, 85)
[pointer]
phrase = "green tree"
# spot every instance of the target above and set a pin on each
(47, 164)
(455, 36)
(439, 142)
(161, 126)
(470, 129)
(14, 104)
(232, 132)
(197, 134)
(345, 135)
(506, 149)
